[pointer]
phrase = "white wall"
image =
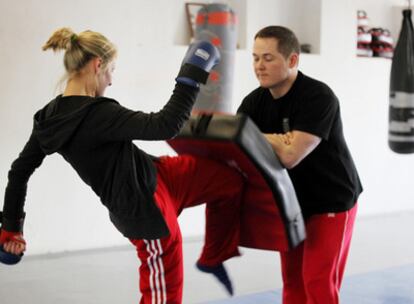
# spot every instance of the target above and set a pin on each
(63, 214)
(302, 16)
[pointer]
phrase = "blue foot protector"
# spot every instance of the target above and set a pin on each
(220, 273)
(9, 258)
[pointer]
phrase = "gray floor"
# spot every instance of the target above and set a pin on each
(110, 275)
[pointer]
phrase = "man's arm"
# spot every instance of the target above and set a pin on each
(292, 147)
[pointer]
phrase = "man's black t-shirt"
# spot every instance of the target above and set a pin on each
(326, 180)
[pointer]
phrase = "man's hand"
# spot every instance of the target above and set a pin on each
(286, 138)
(292, 147)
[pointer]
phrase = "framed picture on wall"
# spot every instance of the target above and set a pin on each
(191, 9)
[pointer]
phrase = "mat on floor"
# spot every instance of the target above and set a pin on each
(388, 286)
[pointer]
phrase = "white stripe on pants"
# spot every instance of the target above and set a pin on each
(156, 267)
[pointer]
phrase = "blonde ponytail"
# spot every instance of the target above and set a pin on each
(80, 48)
(61, 39)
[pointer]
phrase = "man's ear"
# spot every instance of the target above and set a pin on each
(293, 60)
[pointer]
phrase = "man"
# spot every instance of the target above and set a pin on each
(300, 117)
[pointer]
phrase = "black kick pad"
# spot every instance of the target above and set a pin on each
(271, 218)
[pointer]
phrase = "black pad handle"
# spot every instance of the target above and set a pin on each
(199, 127)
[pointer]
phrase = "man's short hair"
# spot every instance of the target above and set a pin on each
(288, 43)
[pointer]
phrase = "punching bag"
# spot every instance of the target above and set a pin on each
(217, 23)
(401, 107)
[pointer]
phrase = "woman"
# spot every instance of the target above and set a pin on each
(144, 194)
